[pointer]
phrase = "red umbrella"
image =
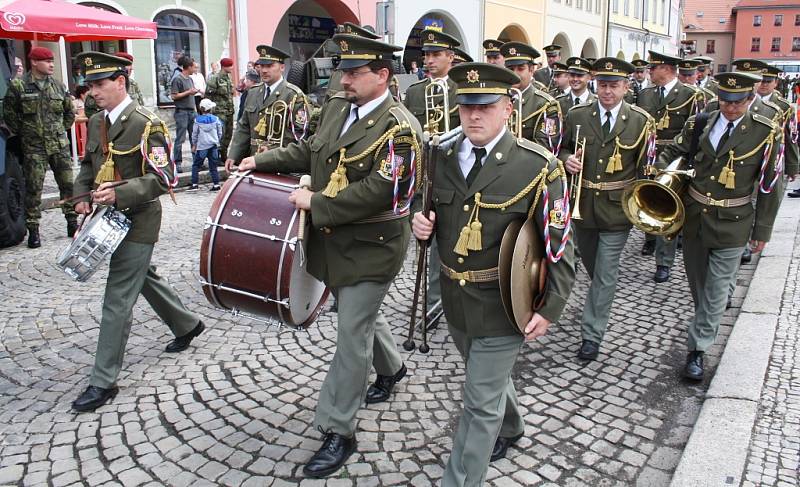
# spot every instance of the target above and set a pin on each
(47, 20)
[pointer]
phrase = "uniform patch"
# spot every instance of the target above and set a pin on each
(549, 126)
(558, 217)
(159, 156)
(386, 167)
(301, 117)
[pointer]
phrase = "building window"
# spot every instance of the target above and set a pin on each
(615, 6)
(795, 43)
(626, 8)
(778, 20)
(579, 4)
(710, 46)
(568, 3)
(755, 44)
(797, 20)
(663, 10)
(588, 5)
(756, 21)
(636, 9)
(179, 33)
(646, 10)
(776, 44)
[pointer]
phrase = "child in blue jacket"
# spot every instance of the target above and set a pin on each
(206, 135)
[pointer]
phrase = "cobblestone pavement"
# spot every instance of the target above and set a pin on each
(237, 409)
(774, 455)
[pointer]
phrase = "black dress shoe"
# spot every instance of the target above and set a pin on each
(729, 304)
(795, 193)
(662, 273)
(501, 447)
(33, 238)
(380, 389)
(694, 366)
(94, 397)
(182, 343)
(747, 255)
(589, 350)
(335, 450)
(649, 247)
(72, 227)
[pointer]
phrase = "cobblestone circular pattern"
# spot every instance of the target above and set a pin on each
(237, 408)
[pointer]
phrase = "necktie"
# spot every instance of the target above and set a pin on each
(355, 110)
(661, 94)
(266, 93)
(607, 124)
(725, 137)
(577, 101)
(480, 152)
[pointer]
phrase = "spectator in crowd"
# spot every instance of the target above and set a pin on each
(252, 77)
(182, 91)
(200, 83)
(20, 68)
(206, 137)
(78, 103)
(214, 68)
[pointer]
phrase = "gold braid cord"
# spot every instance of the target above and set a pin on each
(339, 180)
(727, 177)
(615, 162)
(470, 237)
(106, 172)
(664, 122)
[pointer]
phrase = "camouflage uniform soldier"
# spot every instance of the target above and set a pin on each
(219, 89)
(39, 110)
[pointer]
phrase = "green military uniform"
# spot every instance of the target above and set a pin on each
(580, 66)
(219, 89)
(433, 40)
(252, 132)
(719, 211)
(555, 91)
(487, 340)
(491, 49)
(356, 242)
(90, 106)
(614, 156)
(335, 81)
(545, 75)
(114, 153)
(706, 82)
(671, 110)
(40, 112)
(704, 96)
(541, 115)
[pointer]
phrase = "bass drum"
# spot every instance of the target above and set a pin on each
(248, 258)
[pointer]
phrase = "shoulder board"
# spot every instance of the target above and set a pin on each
(423, 80)
(547, 96)
(772, 105)
(783, 102)
(641, 111)
(534, 147)
(585, 104)
(147, 113)
(401, 116)
(762, 119)
(539, 85)
(338, 94)
(294, 88)
(649, 88)
(562, 95)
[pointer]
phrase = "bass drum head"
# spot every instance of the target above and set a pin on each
(307, 295)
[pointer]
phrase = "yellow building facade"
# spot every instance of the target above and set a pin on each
(515, 20)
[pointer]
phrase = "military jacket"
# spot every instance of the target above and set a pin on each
(138, 199)
(415, 102)
(673, 111)
(602, 209)
(90, 106)
(252, 131)
(790, 137)
(712, 85)
(567, 101)
(544, 76)
(704, 96)
(476, 308)
(728, 227)
(219, 89)
(354, 236)
(541, 118)
(40, 112)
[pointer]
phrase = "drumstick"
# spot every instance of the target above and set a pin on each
(305, 182)
(88, 193)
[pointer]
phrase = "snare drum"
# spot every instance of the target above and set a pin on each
(248, 260)
(93, 245)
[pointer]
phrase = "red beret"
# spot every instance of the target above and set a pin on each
(40, 54)
(226, 62)
(124, 55)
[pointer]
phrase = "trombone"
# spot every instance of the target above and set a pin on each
(515, 120)
(580, 144)
(276, 125)
(437, 107)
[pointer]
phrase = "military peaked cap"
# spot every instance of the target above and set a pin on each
(99, 65)
(359, 51)
(516, 53)
(481, 83)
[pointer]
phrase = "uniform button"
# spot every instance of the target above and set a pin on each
(462, 283)
(460, 260)
(737, 217)
(602, 145)
(360, 164)
(380, 238)
(713, 178)
(705, 210)
(326, 230)
(708, 194)
(466, 207)
(598, 176)
(330, 160)
(599, 161)
(597, 193)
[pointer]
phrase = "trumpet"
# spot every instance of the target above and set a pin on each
(580, 144)
(515, 120)
(276, 125)
(437, 107)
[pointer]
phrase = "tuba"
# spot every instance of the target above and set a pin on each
(437, 107)
(655, 206)
(276, 125)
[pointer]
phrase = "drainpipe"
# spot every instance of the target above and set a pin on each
(234, 40)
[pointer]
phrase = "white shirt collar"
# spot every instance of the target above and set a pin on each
(766, 97)
(583, 97)
(668, 87)
(274, 85)
(117, 111)
(466, 157)
(362, 110)
(614, 113)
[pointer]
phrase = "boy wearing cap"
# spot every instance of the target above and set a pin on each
(206, 135)
(219, 89)
(358, 233)
(127, 143)
(38, 109)
(670, 103)
(615, 136)
(734, 148)
(503, 176)
(252, 133)
(541, 114)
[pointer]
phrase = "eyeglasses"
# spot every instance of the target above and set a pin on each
(354, 74)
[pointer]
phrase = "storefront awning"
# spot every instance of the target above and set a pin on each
(48, 20)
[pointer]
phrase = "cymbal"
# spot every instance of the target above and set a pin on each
(528, 274)
(504, 264)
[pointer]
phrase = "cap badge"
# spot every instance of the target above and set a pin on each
(431, 37)
(344, 46)
(746, 65)
(473, 76)
(577, 62)
(513, 51)
(88, 61)
(731, 82)
(490, 45)
(609, 65)
(263, 52)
